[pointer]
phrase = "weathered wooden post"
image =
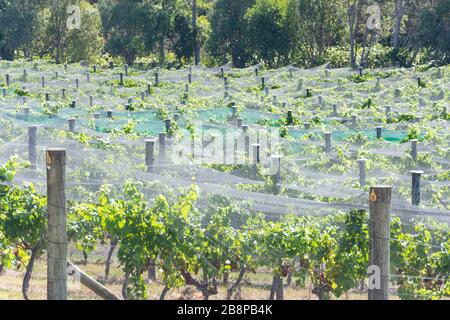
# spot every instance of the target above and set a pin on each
(65, 67)
(222, 72)
(256, 148)
(360, 70)
(168, 125)
(4, 92)
(43, 82)
(109, 114)
(126, 70)
(256, 71)
(150, 154)
(263, 82)
(56, 75)
(25, 75)
(91, 101)
(88, 77)
(246, 142)
(415, 192)
(32, 139)
(388, 110)
(149, 88)
(320, 100)
(74, 104)
(335, 110)
(276, 174)
(379, 241)
(190, 78)
(162, 146)
(239, 122)
(111, 64)
(47, 96)
(77, 83)
(63, 93)
(362, 172)
(72, 125)
(308, 92)
(307, 125)
(266, 90)
(379, 130)
(94, 68)
(414, 149)
(142, 95)
(233, 110)
(225, 81)
(328, 142)
(121, 79)
(156, 78)
(7, 78)
(289, 118)
(56, 224)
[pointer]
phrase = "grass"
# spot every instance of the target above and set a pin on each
(254, 287)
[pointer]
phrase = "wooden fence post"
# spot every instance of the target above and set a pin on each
(162, 146)
(362, 172)
(415, 192)
(414, 149)
(379, 239)
(56, 224)
(328, 142)
(71, 125)
(276, 176)
(256, 159)
(379, 131)
(150, 154)
(32, 146)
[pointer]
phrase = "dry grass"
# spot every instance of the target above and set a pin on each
(255, 286)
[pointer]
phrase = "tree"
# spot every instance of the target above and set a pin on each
(315, 26)
(228, 31)
(267, 33)
(129, 27)
(433, 31)
(64, 35)
(18, 20)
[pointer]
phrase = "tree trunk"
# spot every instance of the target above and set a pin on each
(236, 285)
(85, 257)
(164, 293)
(289, 279)
(162, 54)
(195, 33)
(226, 275)
(28, 273)
(151, 270)
(108, 259)
(125, 286)
(280, 290)
(399, 12)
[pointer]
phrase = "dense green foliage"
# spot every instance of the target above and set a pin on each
(187, 242)
(245, 32)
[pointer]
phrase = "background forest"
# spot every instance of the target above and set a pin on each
(172, 33)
